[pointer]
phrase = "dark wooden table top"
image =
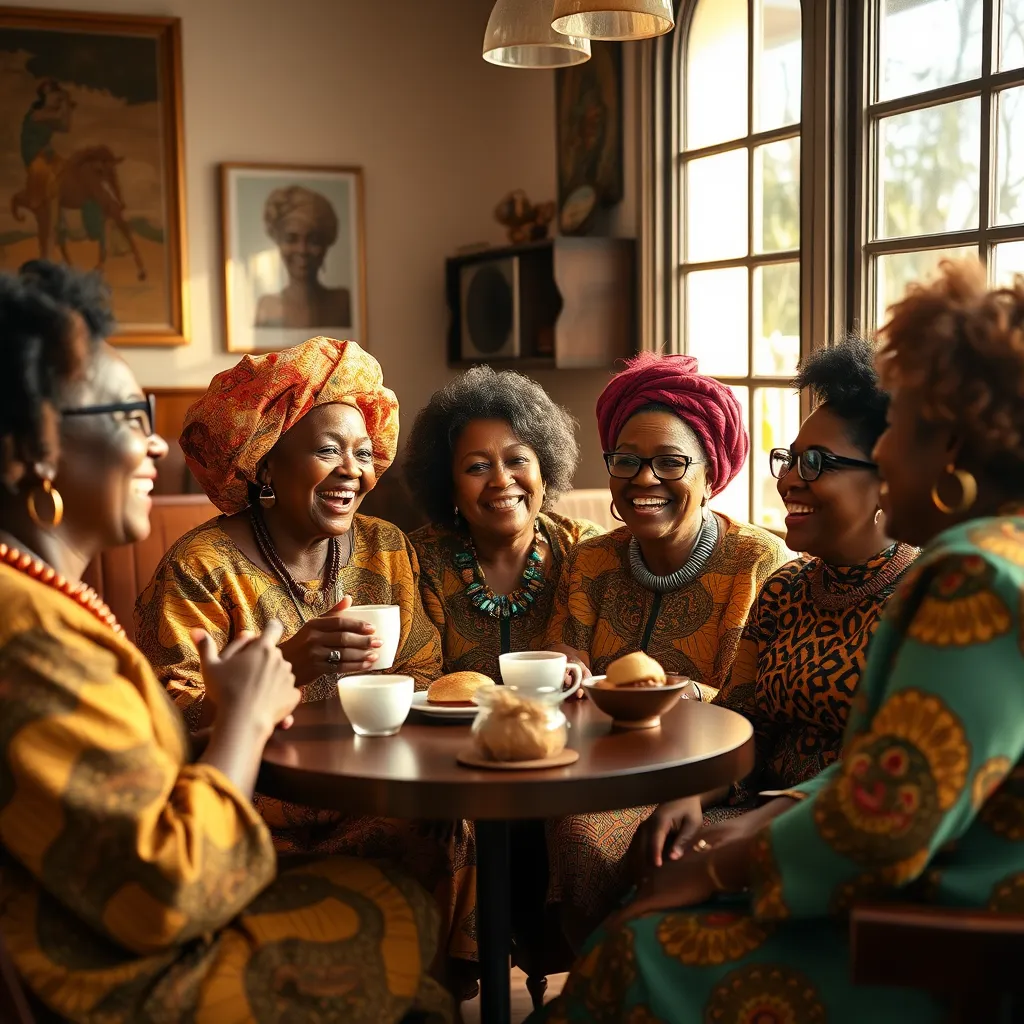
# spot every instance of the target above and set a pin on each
(320, 762)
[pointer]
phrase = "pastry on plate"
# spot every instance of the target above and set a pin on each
(634, 670)
(457, 689)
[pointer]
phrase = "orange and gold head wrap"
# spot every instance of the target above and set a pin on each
(233, 427)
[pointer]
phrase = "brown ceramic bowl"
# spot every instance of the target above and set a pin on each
(638, 707)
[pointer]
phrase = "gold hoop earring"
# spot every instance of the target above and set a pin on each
(968, 488)
(878, 516)
(615, 515)
(58, 505)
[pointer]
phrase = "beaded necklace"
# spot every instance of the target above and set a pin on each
(901, 560)
(79, 592)
(501, 606)
(312, 598)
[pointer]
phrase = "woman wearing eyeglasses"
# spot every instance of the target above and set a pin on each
(805, 643)
(675, 580)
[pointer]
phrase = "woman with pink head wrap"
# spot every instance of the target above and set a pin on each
(676, 580)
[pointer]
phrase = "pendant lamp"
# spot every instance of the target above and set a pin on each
(613, 19)
(519, 35)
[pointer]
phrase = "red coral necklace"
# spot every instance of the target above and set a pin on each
(79, 592)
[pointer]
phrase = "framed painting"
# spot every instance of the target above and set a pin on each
(91, 161)
(294, 255)
(588, 105)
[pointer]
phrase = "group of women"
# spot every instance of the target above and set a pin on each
(143, 879)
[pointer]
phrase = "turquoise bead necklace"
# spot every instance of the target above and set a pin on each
(502, 606)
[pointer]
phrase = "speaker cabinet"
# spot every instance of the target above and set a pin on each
(565, 302)
(489, 310)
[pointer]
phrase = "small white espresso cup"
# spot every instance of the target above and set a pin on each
(376, 705)
(538, 673)
(386, 620)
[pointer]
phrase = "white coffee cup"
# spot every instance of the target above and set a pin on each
(538, 674)
(386, 620)
(376, 705)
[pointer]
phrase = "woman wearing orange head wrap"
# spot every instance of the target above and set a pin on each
(287, 445)
(675, 580)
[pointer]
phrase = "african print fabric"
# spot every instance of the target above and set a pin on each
(797, 670)
(205, 581)
(604, 613)
(137, 886)
(926, 805)
(472, 640)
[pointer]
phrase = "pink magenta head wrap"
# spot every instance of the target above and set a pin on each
(707, 407)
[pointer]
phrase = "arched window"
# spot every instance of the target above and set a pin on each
(943, 134)
(737, 274)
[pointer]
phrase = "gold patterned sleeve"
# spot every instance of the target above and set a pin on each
(933, 755)
(419, 652)
(176, 601)
(573, 617)
(101, 809)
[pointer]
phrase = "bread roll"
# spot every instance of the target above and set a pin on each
(456, 690)
(513, 729)
(637, 669)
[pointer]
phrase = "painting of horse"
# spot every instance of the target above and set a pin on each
(91, 157)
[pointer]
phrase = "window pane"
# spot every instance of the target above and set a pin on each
(777, 319)
(897, 270)
(776, 424)
(1010, 157)
(1009, 260)
(925, 44)
(734, 501)
(1012, 35)
(716, 207)
(777, 194)
(777, 61)
(716, 73)
(716, 320)
(929, 170)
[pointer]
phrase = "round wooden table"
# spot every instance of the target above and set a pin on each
(320, 762)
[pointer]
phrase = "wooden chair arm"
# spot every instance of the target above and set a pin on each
(937, 949)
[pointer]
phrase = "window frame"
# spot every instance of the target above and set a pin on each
(824, 186)
(866, 116)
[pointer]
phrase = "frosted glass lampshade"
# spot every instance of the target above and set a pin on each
(519, 35)
(613, 19)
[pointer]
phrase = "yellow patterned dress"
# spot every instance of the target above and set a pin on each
(798, 667)
(205, 581)
(926, 805)
(138, 886)
(603, 612)
(471, 639)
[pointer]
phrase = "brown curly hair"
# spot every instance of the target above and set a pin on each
(962, 344)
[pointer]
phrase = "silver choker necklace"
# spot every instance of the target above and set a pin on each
(693, 567)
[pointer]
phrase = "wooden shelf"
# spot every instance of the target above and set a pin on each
(576, 303)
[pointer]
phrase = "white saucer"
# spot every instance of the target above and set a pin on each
(419, 703)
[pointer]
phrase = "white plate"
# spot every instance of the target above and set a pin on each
(419, 703)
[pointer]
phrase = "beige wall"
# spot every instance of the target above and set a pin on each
(397, 87)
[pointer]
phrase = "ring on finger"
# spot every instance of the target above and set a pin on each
(701, 845)
(333, 656)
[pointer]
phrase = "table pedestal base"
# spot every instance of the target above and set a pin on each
(494, 920)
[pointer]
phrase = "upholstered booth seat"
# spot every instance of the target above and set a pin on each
(119, 574)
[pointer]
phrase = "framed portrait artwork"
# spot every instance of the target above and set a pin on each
(294, 255)
(91, 158)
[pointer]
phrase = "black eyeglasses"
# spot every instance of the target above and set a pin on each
(146, 406)
(810, 464)
(625, 466)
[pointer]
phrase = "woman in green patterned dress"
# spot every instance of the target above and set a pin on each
(927, 802)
